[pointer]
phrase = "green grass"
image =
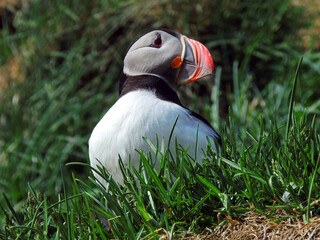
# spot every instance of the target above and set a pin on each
(264, 103)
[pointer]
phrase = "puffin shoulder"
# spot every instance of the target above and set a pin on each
(204, 121)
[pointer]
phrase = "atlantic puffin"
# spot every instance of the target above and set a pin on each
(148, 105)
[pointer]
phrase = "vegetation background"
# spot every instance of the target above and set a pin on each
(59, 67)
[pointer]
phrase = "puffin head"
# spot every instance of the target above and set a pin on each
(170, 56)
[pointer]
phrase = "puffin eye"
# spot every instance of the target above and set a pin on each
(157, 42)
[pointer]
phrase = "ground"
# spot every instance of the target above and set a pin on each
(256, 226)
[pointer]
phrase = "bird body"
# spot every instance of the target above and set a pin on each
(148, 108)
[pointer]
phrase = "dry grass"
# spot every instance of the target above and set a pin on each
(310, 36)
(255, 226)
(11, 71)
(8, 3)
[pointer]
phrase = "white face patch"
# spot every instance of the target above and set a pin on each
(144, 58)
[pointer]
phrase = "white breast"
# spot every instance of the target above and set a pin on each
(141, 114)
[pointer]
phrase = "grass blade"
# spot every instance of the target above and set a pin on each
(290, 112)
(311, 186)
(14, 213)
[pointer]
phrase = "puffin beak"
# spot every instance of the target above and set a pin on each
(196, 61)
